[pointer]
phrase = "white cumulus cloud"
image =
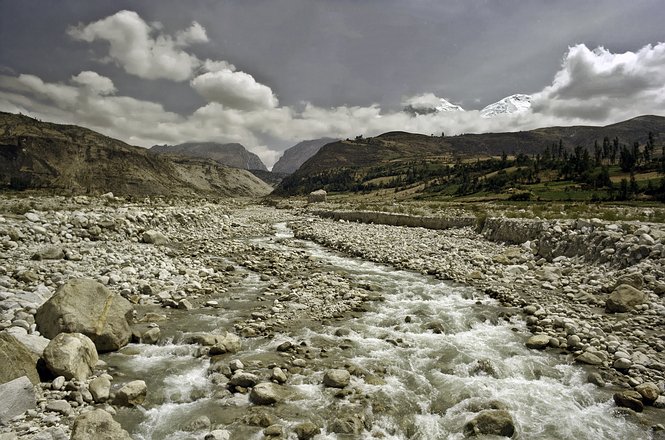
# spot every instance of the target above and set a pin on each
(141, 49)
(95, 82)
(234, 89)
(598, 85)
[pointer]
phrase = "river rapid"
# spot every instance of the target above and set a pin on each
(424, 360)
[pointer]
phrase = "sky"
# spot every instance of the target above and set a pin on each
(271, 73)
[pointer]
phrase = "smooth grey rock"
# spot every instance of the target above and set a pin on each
(155, 237)
(266, 393)
(34, 343)
(18, 396)
(629, 399)
(49, 253)
(98, 425)
(589, 359)
(72, 355)
(491, 422)
(100, 388)
(624, 299)
(539, 342)
(86, 306)
(131, 394)
(16, 360)
(60, 406)
(649, 392)
(243, 379)
(336, 378)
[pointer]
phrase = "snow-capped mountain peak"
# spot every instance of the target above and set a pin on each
(511, 104)
(429, 103)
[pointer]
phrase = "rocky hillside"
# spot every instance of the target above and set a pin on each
(233, 155)
(297, 155)
(74, 160)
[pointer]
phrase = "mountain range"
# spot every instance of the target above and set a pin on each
(75, 160)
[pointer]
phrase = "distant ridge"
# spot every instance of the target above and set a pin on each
(74, 160)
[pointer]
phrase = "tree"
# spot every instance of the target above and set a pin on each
(627, 160)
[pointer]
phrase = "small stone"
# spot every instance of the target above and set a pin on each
(100, 388)
(629, 399)
(58, 383)
(278, 375)
(622, 364)
(306, 430)
(589, 359)
(649, 392)
(538, 342)
(60, 406)
(275, 430)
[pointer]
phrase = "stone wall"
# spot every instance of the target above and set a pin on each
(386, 218)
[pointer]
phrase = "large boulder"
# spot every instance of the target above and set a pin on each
(317, 196)
(629, 399)
(624, 298)
(72, 355)
(98, 425)
(18, 396)
(86, 306)
(16, 360)
(491, 422)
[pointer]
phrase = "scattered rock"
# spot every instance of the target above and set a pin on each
(60, 406)
(589, 359)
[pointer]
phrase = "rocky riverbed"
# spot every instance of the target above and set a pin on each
(153, 264)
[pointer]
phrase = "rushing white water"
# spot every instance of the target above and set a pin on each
(430, 384)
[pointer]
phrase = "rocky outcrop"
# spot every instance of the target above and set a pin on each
(18, 396)
(98, 425)
(71, 355)
(16, 360)
(88, 307)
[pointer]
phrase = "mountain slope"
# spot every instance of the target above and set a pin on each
(75, 160)
(233, 155)
(295, 156)
(391, 154)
